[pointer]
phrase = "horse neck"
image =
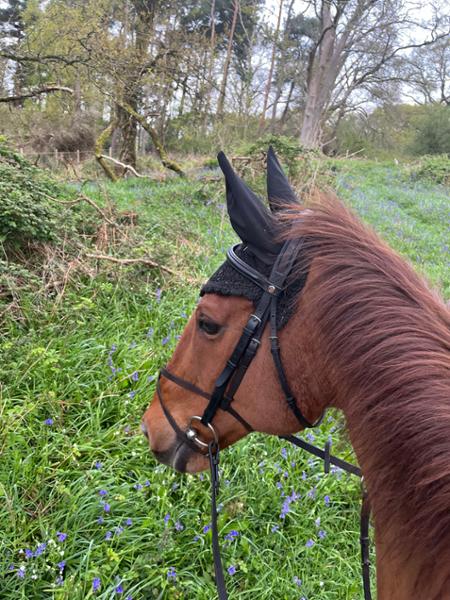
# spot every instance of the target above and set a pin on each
(399, 458)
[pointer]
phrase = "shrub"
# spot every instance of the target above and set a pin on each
(27, 212)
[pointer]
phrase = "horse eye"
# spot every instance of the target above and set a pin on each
(209, 327)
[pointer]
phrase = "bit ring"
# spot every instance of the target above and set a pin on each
(192, 434)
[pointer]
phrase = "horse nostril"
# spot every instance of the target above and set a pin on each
(144, 429)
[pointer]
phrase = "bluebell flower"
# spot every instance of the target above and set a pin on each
(206, 528)
(96, 583)
(171, 573)
(167, 518)
(108, 535)
(284, 452)
(150, 332)
(151, 378)
(21, 572)
(106, 507)
(98, 465)
(327, 500)
(28, 553)
(179, 526)
(135, 376)
(49, 421)
(100, 520)
(275, 528)
(322, 534)
(128, 522)
(165, 340)
(41, 548)
(231, 570)
(119, 589)
(297, 581)
(61, 565)
(310, 543)
(103, 493)
(132, 394)
(158, 294)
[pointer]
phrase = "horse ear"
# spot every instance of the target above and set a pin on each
(279, 191)
(249, 217)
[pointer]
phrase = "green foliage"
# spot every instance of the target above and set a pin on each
(306, 168)
(433, 132)
(27, 212)
(433, 168)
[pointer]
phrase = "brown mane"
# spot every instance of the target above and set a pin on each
(387, 338)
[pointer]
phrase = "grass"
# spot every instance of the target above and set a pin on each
(77, 377)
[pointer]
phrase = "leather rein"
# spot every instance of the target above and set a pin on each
(228, 383)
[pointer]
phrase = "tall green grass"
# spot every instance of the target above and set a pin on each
(76, 378)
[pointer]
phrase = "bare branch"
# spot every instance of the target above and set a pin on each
(46, 89)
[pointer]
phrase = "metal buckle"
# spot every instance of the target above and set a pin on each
(192, 434)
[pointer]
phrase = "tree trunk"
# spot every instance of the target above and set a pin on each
(221, 102)
(272, 63)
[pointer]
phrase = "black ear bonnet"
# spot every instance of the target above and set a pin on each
(259, 232)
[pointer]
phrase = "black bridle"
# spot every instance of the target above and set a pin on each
(229, 381)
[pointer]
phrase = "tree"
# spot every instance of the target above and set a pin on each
(372, 32)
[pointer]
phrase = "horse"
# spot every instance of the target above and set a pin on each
(357, 329)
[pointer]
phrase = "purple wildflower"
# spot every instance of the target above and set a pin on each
(151, 378)
(165, 340)
(279, 485)
(138, 486)
(135, 376)
(21, 572)
(128, 522)
(106, 507)
(28, 553)
(49, 422)
(103, 493)
(284, 452)
(41, 548)
(327, 500)
(231, 570)
(297, 581)
(150, 332)
(132, 394)
(322, 534)
(171, 573)
(147, 483)
(206, 528)
(108, 535)
(310, 543)
(119, 589)
(61, 565)
(179, 526)
(158, 294)
(96, 583)
(275, 528)
(310, 436)
(167, 518)
(98, 465)
(60, 579)
(100, 520)
(317, 522)
(119, 530)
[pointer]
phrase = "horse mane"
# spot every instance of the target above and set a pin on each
(386, 337)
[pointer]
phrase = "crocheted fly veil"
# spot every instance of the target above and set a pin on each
(259, 232)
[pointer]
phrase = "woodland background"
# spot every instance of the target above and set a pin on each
(145, 77)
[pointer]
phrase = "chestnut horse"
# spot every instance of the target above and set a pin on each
(364, 335)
